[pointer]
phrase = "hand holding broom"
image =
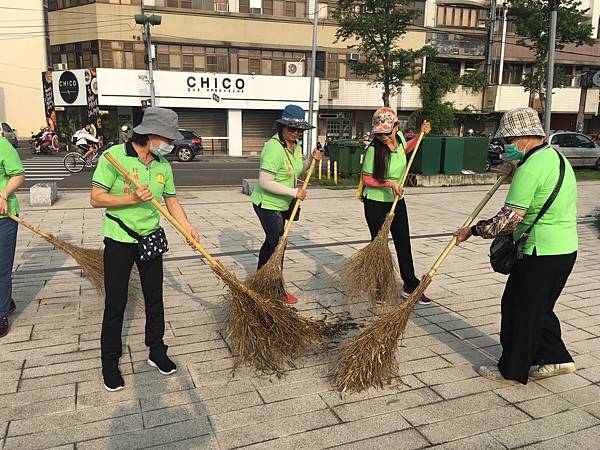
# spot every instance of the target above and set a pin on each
(371, 269)
(370, 358)
(265, 332)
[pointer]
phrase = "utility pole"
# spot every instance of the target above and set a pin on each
(313, 68)
(490, 46)
(147, 22)
(503, 45)
(553, 5)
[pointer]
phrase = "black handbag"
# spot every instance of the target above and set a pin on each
(504, 251)
(149, 247)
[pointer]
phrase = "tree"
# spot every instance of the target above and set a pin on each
(378, 26)
(434, 84)
(532, 21)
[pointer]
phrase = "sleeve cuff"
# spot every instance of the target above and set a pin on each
(168, 194)
(474, 230)
(519, 207)
(100, 185)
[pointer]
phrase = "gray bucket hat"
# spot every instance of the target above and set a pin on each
(160, 122)
(520, 122)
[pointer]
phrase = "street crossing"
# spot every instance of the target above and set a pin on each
(45, 168)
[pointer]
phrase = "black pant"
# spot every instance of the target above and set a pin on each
(273, 225)
(118, 262)
(530, 331)
(375, 213)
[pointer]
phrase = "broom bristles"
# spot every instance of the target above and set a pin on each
(260, 327)
(370, 358)
(371, 270)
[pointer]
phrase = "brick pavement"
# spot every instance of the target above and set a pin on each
(52, 396)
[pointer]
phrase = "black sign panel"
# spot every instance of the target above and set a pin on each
(68, 87)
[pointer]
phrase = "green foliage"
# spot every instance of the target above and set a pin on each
(377, 26)
(434, 84)
(532, 21)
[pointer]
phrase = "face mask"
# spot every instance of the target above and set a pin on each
(512, 153)
(162, 150)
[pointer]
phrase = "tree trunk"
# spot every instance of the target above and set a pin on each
(386, 95)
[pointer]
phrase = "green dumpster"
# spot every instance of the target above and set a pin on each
(452, 155)
(347, 153)
(427, 159)
(475, 154)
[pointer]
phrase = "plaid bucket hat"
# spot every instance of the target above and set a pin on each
(520, 122)
(383, 120)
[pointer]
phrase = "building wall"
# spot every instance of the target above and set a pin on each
(23, 60)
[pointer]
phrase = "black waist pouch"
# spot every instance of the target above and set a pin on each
(151, 246)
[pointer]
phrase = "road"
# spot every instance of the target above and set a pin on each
(203, 171)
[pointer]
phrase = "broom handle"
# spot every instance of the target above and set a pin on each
(31, 227)
(288, 227)
(467, 223)
(165, 212)
(410, 161)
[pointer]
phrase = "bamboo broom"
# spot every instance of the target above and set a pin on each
(268, 280)
(370, 358)
(371, 269)
(266, 340)
(90, 259)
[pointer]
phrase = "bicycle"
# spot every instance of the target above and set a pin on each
(74, 162)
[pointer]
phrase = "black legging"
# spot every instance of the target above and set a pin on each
(530, 331)
(375, 213)
(273, 224)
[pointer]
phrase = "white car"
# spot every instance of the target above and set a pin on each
(579, 149)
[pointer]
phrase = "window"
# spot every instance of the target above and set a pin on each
(564, 140)
(458, 17)
(583, 142)
(190, 58)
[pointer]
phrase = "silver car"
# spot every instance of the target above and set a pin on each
(579, 149)
(10, 134)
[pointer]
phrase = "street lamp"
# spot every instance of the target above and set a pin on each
(147, 22)
(553, 5)
(313, 66)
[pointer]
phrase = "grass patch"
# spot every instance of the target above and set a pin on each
(587, 174)
(350, 182)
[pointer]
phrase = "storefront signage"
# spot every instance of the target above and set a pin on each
(69, 87)
(122, 87)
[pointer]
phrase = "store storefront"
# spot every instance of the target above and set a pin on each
(235, 113)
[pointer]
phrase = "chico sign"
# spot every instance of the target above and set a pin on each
(69, 88)
(214, 84)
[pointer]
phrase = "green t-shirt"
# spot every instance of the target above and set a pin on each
(556, 231)
(143, 218)
(273, 160)
(394, 172)
(10, 166)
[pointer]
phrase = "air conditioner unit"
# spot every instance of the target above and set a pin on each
(353, 56)
(222, 7)
(149, 3)
(294, 69)
(482, 23)
(60, 66)
(255, 10)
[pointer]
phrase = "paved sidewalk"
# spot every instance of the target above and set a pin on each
(52, 395)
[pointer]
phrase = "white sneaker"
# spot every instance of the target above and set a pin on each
(493, 373)
(551, 370)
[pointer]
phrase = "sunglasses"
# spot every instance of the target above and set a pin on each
(295, 130)
(388, 134)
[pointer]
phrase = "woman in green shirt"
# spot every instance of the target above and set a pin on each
(383, 168)
(11, 177)
(530, 334)
(129, 218)
(281, 164)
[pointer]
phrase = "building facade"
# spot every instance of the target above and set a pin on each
(23, 46)
(271, 40)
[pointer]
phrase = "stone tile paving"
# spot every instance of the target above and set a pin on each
(52, 396)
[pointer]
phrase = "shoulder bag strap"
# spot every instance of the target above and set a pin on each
(125, 228)
(291, 165)
(553, 195)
